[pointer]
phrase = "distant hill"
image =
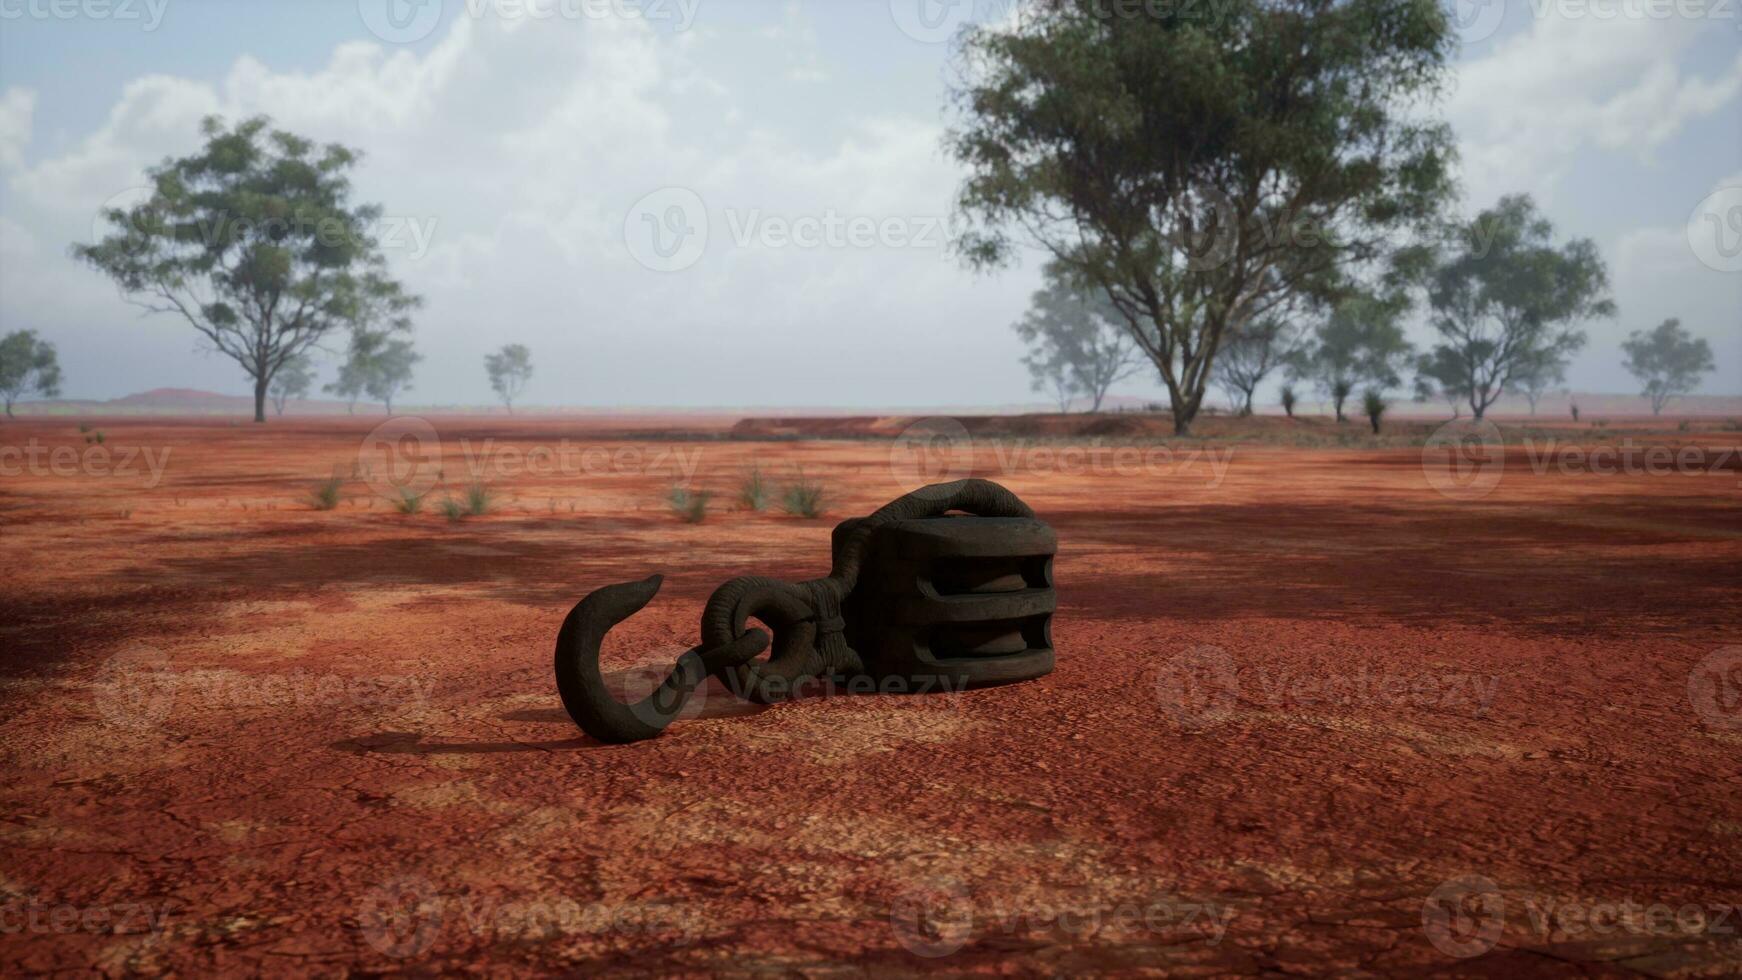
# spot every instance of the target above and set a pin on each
(174, 401)
(190, 401)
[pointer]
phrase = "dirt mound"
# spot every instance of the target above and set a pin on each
(1015, 426)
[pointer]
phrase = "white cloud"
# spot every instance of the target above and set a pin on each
(157, 115)
(524, 147)
(521, 146)
(1658, 274)
(16, 241)
(1525, 111)
(17, 106)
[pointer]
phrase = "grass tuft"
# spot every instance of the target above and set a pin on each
(691, 505)
(453, 510)
(803, 497)
(408, 502)
(325, 495)
(478, 499)
(754, 491)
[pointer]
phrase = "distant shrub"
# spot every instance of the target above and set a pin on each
(453, 510)
(325, 495)
(1684, 426)
(94, 437)
(803, 497)
(754, 491)
(691, 505)
(1373, 403)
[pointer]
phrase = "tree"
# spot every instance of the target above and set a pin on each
(254, 242)
(509, 370)
(27, 366)
(1251, 355)
(1200, 171)
(1668, 361)
(1506, 300)
(1048, 372)
(1373, 403)
(1359, 344)
(1538, 373)
(389, 371)
(292, 381)
(353, 379)
(1076, 345)
(1440, 374)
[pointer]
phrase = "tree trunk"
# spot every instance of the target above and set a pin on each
(1182, 414)
(260, 397)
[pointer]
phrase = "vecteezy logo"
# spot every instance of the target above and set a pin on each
(1715, 688)
(1464, 916)
(650, 699)
(1463, 460)
(401, 917)
(1207, 240)
(1197, 686)
(1477, 20)
(931, 21)
(932, 919)
(931, 450)
(400, 21)
(1715, 230)
(401, 457)
(103, 225)
(136, 688)
(667, 230)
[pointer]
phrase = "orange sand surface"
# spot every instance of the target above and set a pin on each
(1311, 713)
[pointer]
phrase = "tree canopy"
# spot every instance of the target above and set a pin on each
(1201, 171)
(293, 380)
(1359, 345)
(1507, 301)
(255, 243)
(27, 366)
(1668, 361)
(1076, 343)
(1257, 349)
(509, 369)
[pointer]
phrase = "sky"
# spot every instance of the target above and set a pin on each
(745, 202)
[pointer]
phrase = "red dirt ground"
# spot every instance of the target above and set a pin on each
(1302, 700)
